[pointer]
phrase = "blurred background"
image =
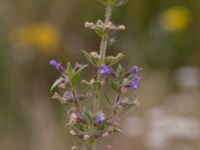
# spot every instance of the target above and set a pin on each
(162, 36)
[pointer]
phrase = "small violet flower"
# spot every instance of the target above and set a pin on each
(100, 118)
(135, 82)
(57, 65)
(135, 69)
(104, 70)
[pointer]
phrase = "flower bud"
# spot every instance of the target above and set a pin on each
(123, 89)
(121, 27)
(57, 65)
(106, 134)
(56, 96)
(73, 148)
(135, 69)
(61, 86)
(135, 82)
(88, 24)
(72, 132)
(73, 118)
(110, 130)
(92, 81)
(136, 103)
(108, 26)
(118, 109)
(68, 96)
(94, 55)
(86, 137)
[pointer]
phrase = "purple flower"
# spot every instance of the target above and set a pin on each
(135, 82)
(100, 118)
(135, 69)
(104, 70)
(57, 65)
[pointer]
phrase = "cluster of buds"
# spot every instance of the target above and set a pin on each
(89, 25)
(106, 27)
(73, 119)
(125, 104)
(69, 97)
(111, 27)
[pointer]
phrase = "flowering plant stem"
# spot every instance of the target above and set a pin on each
(87, 125)
(103, 47)
(90, 146)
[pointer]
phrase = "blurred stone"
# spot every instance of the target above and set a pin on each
(188, 77)
(133, 126)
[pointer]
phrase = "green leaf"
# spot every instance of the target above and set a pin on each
(127, 106)
(130, 77)
(116, 59)
(75, 79)
(99, 23)
(69, 69)
(82, 67)
(115, 85)
(96, 86)
(88, 56)
(70, 110)
(58, 81)
(120, 71)
(103, 125)
(109, 59)
(107, 98)
(80, 127)
(76, 129)
(118, 130)
(87, 117)
(99, 32)
(99, 28)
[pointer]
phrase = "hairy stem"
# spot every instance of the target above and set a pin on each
(76, 101)
(104, 41)
(103, 47)
(90, 146)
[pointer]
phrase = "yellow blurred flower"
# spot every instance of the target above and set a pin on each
(175, 19)
(43, 36)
